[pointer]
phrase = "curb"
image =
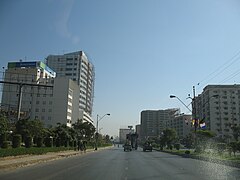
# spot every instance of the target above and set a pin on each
(23, 161)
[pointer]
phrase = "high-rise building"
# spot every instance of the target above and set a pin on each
(153, 122)
(76, 66)
(182, 124)
(43, 96)
(138, 130)
(219, 107)
(17, 76)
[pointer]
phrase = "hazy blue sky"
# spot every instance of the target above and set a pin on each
(143, 50)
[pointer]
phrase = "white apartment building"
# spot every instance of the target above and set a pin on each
(65, 102)
(182, 124)
(85, 117)
(36, 73)
(153, 122)
(219, 107)
(53, 104)
(76, 66)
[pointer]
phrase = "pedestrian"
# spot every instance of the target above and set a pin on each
(79, 145)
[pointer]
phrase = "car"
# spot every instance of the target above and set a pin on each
(147, 146)
(127, 147)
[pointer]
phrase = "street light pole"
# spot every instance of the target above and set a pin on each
(173, 96)
(98, 119)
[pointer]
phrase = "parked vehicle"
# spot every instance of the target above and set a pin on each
(147, 146)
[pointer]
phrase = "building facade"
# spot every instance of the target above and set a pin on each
(26, 76)
(219, 107)
(138, 130)
(65, 102)
(44, 96)
(153, 122)
(123, 134)
(182, 124)
(76, 66)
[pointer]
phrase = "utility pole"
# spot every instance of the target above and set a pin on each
(194, 110)
(19, 101)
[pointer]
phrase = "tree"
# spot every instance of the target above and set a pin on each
(169, 136)
(188, 140)
(202, 138)
(62, 134)
(233, 147)
(84, 129)
(32, 128)
(4, 124)
(107, 138)
(4, 128)
(236, 132)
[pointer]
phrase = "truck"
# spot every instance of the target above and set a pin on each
(131, 142)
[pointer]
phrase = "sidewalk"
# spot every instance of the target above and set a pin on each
(13, 162)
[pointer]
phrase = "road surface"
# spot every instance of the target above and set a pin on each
(115, 164)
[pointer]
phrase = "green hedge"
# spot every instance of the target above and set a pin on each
(17, 139)
(39, 141)
(49, 142)
(32, 150)
(28, 141)
(6, 144)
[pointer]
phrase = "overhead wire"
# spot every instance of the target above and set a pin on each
(231, 76)
(220, 69)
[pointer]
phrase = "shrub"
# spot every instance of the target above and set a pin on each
(199, 149)
(28, 141)
(58, 142)
(6, 144)
(16, 142)
(221, 147)
(39, 141)
(49, 142)
(169, 146)
(187, 152)
(177, 146)
(66, 143)
(3, 137)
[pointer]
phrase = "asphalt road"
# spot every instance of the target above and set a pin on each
(114, 164)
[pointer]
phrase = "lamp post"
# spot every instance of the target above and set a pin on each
(173, 96)
(99, 119)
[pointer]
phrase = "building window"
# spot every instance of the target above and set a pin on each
(49, 110)
(43, 110)
(44, 102)
(50, 102)
(37, 110)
